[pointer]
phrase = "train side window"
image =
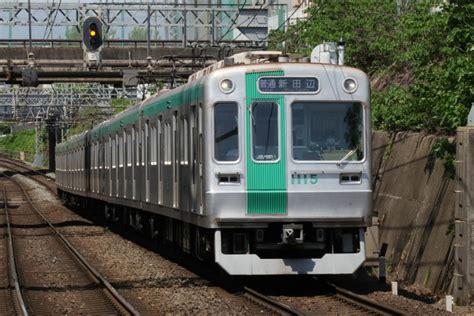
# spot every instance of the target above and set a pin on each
(185, 141)
(114, 153)
(192, 143)
(109, 149)
(120, 151)
(101, 154)
(91, 156)
(159, 145)
(124, 148)
(106, 153)
(166, 144)
(147, 143)
(153, 146)
(264, 125)
(137, 145)
(226, 132)
(129, 148)
(143, 146)
(181, 141)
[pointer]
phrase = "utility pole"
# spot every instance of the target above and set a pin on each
(29, 25)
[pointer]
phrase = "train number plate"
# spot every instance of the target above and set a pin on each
(304, 178)
(288, 84)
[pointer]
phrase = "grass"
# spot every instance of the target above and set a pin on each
(21, 141)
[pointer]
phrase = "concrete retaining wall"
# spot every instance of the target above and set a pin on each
(414, 200)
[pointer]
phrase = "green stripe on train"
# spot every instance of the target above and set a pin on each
(266, 182)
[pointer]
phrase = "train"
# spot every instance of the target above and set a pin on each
(259, 163)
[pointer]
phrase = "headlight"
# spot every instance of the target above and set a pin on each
(226, 86)
(349, 85)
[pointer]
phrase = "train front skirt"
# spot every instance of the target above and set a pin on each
(251, 264)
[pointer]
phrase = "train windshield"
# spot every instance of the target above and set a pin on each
(327, 131)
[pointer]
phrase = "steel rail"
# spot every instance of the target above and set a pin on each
(111, 290)
(364, 302)
(11, 259)
(47, 178)
(18, 164)
(270, 303)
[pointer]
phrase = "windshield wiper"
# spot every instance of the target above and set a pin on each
(347, 156)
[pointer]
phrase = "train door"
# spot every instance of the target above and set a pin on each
(184, 164)
(113, 172)
(153, 136)
(94, 167)
(175, 150)
(146, 155)
(102, 171)
(161, 150)
(136, 168)
(120, 169)
(200, 159)
(109, 166)
(129, 164)
(266, 152)
(193, 158)
(167, 165)
(133, 154)
(105, 183)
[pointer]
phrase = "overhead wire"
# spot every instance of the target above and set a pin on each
(47, 22)
(54, 20)
(248, 23)
(233, 21)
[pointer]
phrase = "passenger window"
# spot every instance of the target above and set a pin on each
(167, 144)
(120, 151)
(153, 145)
(114, 153)
(185, 141)
(264, 125)
(129, 149)
(226, 132)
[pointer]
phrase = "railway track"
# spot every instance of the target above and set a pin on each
(53, 276)
(47, 181)
(362, 303)
(11, 299)
(269, 303)
(338, 301)
(310, 296)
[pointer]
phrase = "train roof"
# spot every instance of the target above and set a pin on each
(77, 141)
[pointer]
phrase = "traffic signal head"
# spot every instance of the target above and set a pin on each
(92, 33)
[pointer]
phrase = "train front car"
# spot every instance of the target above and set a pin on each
(288, 183)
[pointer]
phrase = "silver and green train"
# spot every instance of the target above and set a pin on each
(259, 164)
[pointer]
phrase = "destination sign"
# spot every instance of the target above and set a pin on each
(288, 84)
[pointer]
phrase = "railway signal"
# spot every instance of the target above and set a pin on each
(92, 33)
(92, 40)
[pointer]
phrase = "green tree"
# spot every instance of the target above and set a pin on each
(137, 34)
(72, 33)
(367, 26)
(419, 55)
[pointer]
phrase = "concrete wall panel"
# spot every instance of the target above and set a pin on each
(414, 200)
